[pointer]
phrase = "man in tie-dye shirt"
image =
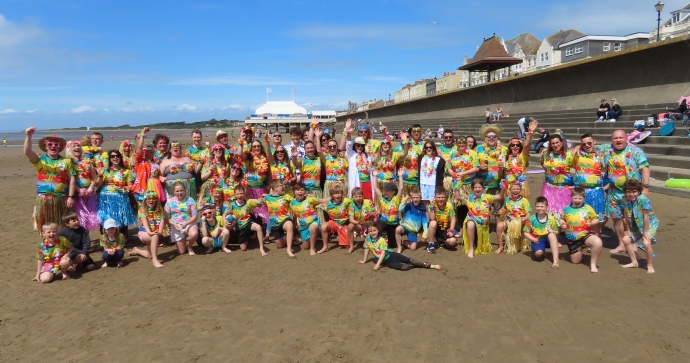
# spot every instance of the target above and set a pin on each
(411, 161)
(623, 161)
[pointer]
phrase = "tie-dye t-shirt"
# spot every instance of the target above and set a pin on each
(241, 212)
(211, 229)
(463, 160)
(106, 243)
(52, 255)
(492, 157)
(372, 147)
(388, 209)
(411, 162)
(634, 211)
(539, 229)
(283, 171)
(386, 167)
(304, 211)
(338, 213)
(220, 206)
(180, 211)
(517, 208)
(115, 181)
(84, 168)
(443, 215)
(336, 167)
(589, 169)
(623, 165)
(52, 175)
(479, 207)
(228, 185)
(516, 165)
(278, 208)
(557, 168)
(445, 152)
(198, 156)
(310, 173)
(377, 248)
(256, 178)
(363, 213)
(576, 218)
(217, 169)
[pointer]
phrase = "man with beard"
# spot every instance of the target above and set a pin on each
(411, 161)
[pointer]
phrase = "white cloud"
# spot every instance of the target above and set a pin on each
(31, 111)
(82, 109)
(185, 107)
(12, 34)
(9, 110)
(141, 109)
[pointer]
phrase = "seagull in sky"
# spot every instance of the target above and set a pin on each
(433, 22)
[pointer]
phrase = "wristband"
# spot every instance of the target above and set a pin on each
(142, 134)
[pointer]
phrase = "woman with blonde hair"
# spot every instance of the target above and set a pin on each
(86, 180)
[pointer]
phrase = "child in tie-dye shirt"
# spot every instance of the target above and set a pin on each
(479, 206)
(640, 223)
(577, 222)
(303, 208)
(361, 214)
(387, 207)
(238, 220)
(442, 221)
(278, 205)
(541, 229)
(337, 209)
(517, 210)
(53, 255)
(181, 216)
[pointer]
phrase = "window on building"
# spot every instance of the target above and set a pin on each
(579, 49)
(568, 51)
(607, 46)
(617, 47)
(676, 18)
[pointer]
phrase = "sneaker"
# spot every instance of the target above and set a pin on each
(601, 119)
(612, 120)
(431, 248)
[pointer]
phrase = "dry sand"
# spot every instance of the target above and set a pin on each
(244, 308)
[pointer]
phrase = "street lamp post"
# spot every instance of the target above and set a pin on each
(659, 7)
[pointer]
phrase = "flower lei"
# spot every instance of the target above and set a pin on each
(260, 163)
(494, 153)
(220, 169)
(46, 242)
(174, 168)
(429, 165)
(363, 163)
(153, 221)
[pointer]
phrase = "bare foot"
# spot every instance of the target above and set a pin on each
(104, 265)
(35, 278)
(399, 250)
(191, 253)
(209, 251)
(630, 265)
(470, 254)
(226, 250)
(499, 250)
(593, 269)
(616, 251)
(312, 252)
(350, 250)
(120, 264)
(559, 245)
(290, 254)
(157, 264)
(66, 277)
(263, 253)
(133, 252)
(325, 249)
(650, 269)
(435, 267)
(555, 265)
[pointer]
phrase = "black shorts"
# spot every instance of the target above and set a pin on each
(277, 231)
(387, 231)
(575, 246)
(74, 254)
(442, 236)
(243, 234)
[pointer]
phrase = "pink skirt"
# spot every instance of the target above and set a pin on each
(87, 212)
(257, 193)
(558, 197)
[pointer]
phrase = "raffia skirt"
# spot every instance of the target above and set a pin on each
(117, 207)
(514, 239)
(49, 209)
(483, 242)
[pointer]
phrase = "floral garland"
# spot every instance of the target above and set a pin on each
(340, 169)
(46, 242)
(429, 165)
(363, 164)
(220, 169)
(260, 163)
(154, 217)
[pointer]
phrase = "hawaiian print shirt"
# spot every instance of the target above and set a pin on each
(576, 218)
(52, 253)
(517, 208)
(52, 175)
(180, 211)
(557, 168)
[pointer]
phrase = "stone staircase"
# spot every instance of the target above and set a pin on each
(669, 156)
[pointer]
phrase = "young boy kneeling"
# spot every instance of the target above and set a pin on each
(282, 227)
(541, 229)
(238, 219)
(53, 255)
(214, 235)
(441, 221)
(578, 220)
(338, 209)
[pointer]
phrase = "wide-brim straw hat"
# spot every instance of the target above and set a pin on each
(495, 128)
(54, 138)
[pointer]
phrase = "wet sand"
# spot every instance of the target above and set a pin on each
(247, 308)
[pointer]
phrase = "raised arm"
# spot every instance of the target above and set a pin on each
(27, 144)
(296, 160)
(140, 139)
(528, 139)
(401, 172)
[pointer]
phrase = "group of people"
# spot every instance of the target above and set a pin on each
(608, 112)
(393, 197)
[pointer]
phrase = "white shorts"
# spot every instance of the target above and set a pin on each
(178, 236)
(428, 191)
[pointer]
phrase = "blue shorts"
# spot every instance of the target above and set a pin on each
(411, 236)
(217, 242)
(304, 231)
(541, 244)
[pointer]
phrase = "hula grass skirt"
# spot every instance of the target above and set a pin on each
(483, 242)
(86, 210)
(117, 207)
(49, 209)
(558, 197)
(514, 239)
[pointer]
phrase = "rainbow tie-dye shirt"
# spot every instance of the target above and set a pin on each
(479, 207)
(623, 165)
(463, 160)
(179, 212)
(589, 168)
(304, 211)
(338, 213)
(377, 248)
(517, 208)
(492, 157)
(310, 173)
(372, 147)
(386, 168)
(445, 152)
(336, 167)
(388, 209)
(241, 212)
(52, 255)
(576, 219)
(84, 168)
(198, 156)
(539, 229)
(115, 181)
(557, 168)
(52, 175)
(363, 213)
(278, 208)
(442, 215)
(516, 165)
(106, 243)
(411, 162)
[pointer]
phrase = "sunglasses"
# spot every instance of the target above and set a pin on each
(278, 136)
(114, 156)
(490, 136)
(514, 145)
(280, 152)
(448, 137)
(52, 144)
(207, 214)
(587, 143)
(416, 130)
(256, 146)
(428, 148)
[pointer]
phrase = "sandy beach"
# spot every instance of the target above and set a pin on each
(246, 308)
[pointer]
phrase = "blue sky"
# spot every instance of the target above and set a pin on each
(70, 63)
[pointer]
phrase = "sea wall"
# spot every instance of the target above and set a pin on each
(656, 73)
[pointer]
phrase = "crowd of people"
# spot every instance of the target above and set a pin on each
(415, 194)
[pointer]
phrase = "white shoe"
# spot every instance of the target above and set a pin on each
(612, 120)
(601, 119)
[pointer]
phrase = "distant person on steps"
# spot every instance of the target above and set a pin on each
(603, 108)
(615, 112)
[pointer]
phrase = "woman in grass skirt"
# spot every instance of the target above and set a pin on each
(558, 182)
(113, 200)
(86, 180)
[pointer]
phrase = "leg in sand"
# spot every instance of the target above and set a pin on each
(224, 237)
(65, 264)
(208, 243)
(422, 264)
(324, 238)
(470, 238)
(594, 242)
(192, 234)
(46, 277)
(630, 248)
(553, 243)
(647, 242)
(289, 229)
(399, 233)
(432, 231)
(500, 228)
(313, 232)
(619, 227)
(351, 237)
(259, 237)
(151, 251)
